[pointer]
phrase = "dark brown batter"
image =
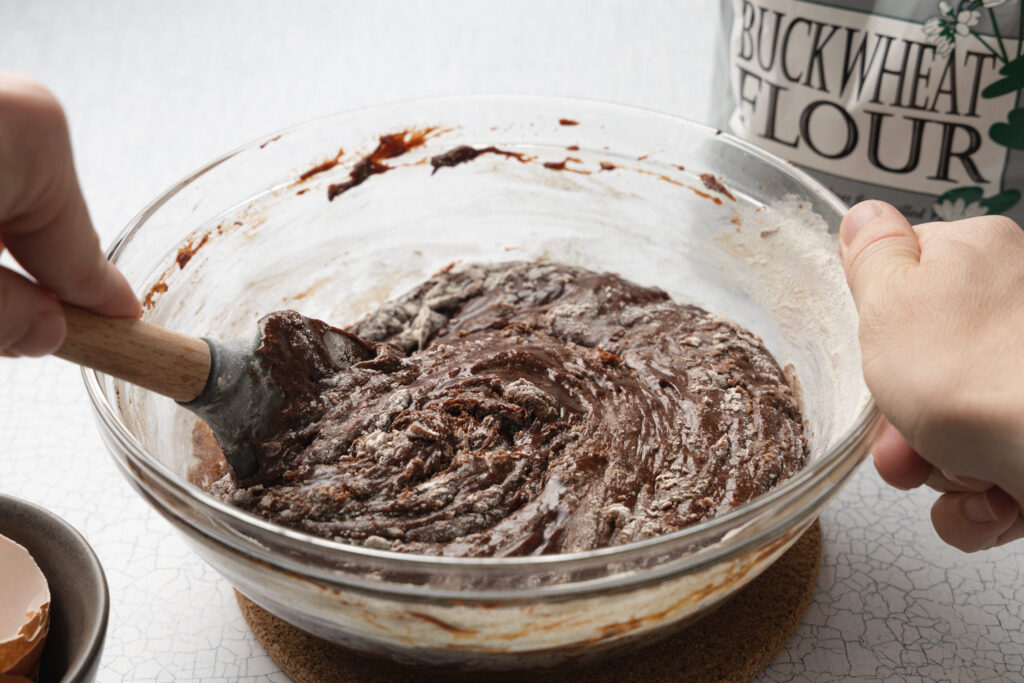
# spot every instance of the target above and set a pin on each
(526, 408)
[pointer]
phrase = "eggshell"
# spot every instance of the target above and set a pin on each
(24, 610)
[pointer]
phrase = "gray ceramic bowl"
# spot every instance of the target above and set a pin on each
(79, 600)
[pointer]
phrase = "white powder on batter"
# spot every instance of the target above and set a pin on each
(784, 258)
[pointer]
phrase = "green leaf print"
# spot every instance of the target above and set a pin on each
(1010, 134)
(1001, 202)
(968, 202)
(1014, 72)
(967, 194)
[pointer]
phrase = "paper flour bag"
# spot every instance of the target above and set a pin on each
(916, 102)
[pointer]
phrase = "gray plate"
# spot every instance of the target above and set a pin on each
(79, 600)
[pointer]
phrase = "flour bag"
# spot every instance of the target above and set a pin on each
(915, 102)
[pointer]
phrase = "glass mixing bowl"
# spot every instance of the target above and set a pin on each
(601, 186)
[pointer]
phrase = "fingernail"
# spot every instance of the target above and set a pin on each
(978, 510)
(44, 336)
(857, 218)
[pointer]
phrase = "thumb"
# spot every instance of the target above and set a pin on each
(976, 521)
(876, 242)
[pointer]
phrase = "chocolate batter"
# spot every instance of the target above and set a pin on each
(522, 409)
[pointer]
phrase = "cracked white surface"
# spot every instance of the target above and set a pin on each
(154, 91)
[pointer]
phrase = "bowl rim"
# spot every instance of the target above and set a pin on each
(84, 660)
(842, 450)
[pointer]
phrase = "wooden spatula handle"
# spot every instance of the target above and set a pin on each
(148, 355)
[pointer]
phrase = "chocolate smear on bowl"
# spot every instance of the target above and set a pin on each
(186, 253)
(715, 185)
(153, 294)
(388, 147)
(563, 165)
(325, 166)
(464, 153)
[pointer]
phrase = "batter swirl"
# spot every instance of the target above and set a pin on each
(527, 408)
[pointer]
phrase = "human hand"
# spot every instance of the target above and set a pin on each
(45, 225)
(941, 309)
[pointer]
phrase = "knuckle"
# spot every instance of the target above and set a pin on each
(21, 94)
(886, 240)
(994, 230)
(1001, 224)
(1004, 228)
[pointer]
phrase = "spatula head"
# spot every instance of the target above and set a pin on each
(263, 391)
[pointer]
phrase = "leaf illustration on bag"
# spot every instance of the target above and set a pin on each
(969, 202)
(1002, 202)
(1014, 72)
(1010, 134)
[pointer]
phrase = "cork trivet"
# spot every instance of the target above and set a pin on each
(733, 643)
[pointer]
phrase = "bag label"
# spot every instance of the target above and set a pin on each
(920, 106)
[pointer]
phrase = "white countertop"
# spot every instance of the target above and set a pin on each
(154, 90)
